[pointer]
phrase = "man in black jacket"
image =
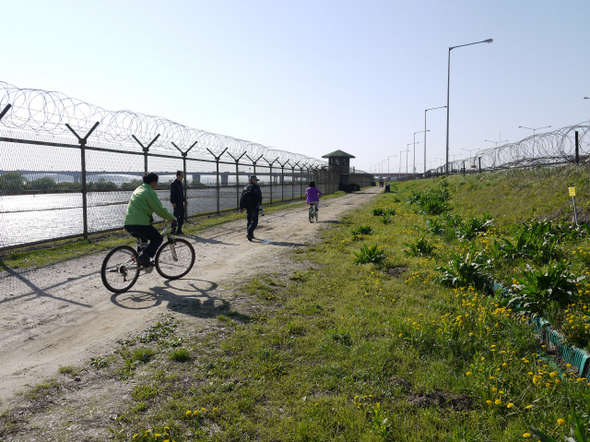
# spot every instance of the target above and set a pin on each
(251, 204)
(178, 202)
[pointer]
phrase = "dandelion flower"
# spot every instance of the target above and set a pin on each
(526, 435)
(510, 405)
(560, 421)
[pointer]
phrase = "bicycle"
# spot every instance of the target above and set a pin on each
(120, 269)
(313, 212)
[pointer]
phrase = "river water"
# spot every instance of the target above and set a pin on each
(30, 218)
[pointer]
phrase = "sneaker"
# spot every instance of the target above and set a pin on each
(145, 261)
(250, 237)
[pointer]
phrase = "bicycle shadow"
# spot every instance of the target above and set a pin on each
(195, 298)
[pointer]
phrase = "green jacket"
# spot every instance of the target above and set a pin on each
(143, 203)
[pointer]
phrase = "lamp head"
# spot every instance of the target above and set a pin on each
(489, 40)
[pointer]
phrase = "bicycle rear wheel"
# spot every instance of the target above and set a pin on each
(175, 258)
(119, 269)
(312, 214)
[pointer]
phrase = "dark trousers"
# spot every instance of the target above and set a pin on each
(252, 218)
(153, 236)
(179, 215)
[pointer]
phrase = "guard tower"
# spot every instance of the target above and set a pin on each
(339, 162)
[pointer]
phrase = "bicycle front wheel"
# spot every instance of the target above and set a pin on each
(175, 258)
(119, 269)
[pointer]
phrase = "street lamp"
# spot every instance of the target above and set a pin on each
(489, 40)
(407, 150)
(399, 174)
(534, 129)
(414, 172)
(469, 150)
(432, 108)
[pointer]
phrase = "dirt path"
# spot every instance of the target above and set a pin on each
(63, 315)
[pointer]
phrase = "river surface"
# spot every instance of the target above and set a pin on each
(31, 218)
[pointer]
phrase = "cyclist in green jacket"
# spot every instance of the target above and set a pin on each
(138, 219)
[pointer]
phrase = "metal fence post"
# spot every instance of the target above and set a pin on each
(145, 151)
(283, 180)
(293, 180)
(217, 176)
(577, 148)
(82, 142)
(270, 163)
(5, 110)
(237, 177)
(184, 154)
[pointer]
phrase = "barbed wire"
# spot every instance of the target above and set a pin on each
(42, 113)
(535, 154)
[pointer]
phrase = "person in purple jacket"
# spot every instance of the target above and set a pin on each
(313, 194)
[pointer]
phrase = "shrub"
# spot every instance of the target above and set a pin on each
(536, 289)
(475, 226)
(467, 271)
(362, 230)
(366, 255)
(420, 247)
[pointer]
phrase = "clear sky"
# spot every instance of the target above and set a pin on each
(313, 76)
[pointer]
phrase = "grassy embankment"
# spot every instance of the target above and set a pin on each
(377, 351)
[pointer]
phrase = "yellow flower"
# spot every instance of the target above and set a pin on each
(188, 412)
(510, 405)
(498, 401)
(528, 407)
(560, 421)
(468, 373)
(489, 402)
(526, 435)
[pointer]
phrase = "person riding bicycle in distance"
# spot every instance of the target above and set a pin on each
(139, 217)
(313, 194)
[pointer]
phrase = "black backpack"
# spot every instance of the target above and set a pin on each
(248, 199)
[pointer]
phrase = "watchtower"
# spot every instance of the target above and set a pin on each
(339, 162)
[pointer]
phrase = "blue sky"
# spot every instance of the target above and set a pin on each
(314, 76)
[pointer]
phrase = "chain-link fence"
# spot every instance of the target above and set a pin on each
(68, 168)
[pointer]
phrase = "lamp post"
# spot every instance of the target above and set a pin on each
(534, 129)
(489, 40)
(432, 108)
(414, 172)
(399, 173)
(407, 150)
(469, 150)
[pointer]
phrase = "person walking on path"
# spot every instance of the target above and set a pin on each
(251, 200)
(139, 217)
(313, 195)
(178, 203)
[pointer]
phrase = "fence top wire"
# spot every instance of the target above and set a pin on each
(538, 150)
(39, 114)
